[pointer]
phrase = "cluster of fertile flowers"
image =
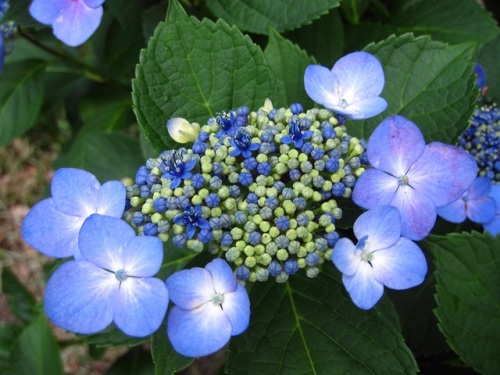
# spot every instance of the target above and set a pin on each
(262, 187)
(73, 21)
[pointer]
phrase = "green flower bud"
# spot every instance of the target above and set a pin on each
(312, 272)
(215, 212)
(240, 245)
(289, 207)
(196, 200)
(266, 238)
(359, 171)
(260, 191)
(177, 229)
(262, 274)
(283, 158)
(328, 254)
(271, 249)
(257, 219)
(301, 262)
(302, 252)
(259, 249)
(233, 178)
(217, 233)
(250, 262)
(274, 232)
(291, 234)
(156, 217)
(203, 193)
(163, 237)
(253, 277)
(223, 192)
(250, 226)
(265, 259)
(195, 245)
(293, 223)
(238, 261)
(237, 233)
(264, 226)
(302, 232)
(248, 250)
(337, 212)
(271, 192)
(293, 153)
(293, 163)
(279, 211)
(230, 205)
(136, 201)
(282, 277)
(147, 208)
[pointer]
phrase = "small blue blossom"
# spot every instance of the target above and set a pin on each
(296, 135)
(150, 229)
(210, 307)
(63, 15)
(242, 273)
(212, 200)
(352, 87)
(52, 225)
(381, 257)
(493, 226)
(282, 223)
(230, 123)
(177, 168)
(242, 143)
(192, 219)
(274, 268)
(113, 282)
(312, 259)
(291, 266)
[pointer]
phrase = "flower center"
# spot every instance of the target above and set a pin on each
(121, 275)
(218, 298)
(343, 103)
(367, 255)
(403, 180)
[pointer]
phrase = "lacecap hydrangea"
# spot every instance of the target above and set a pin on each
(259, 188)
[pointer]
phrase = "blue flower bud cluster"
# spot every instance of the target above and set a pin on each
(259, 188)
(482, 140)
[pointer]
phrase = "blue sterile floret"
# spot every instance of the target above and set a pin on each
(260, 188)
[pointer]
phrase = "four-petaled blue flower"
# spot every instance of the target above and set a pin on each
(192, 219)
(211, 306)
(352, 87)
(177, 168)
(493, 226)
(113, 283)
(52, 225)
(295, 134)
(230, 123)
(474, 204)
(73, 21)
(242, 143)
(381, 257)
(412, 176)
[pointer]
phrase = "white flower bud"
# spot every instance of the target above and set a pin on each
(182, 131)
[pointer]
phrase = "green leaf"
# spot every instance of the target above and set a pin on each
(488, 56)
(468, 296)
(151, 18)
(113, 337)
(288, 62)
(136, 361)
(428, 82)
(313, 38)
(8, 338)
(354, 9)
(36, 351)
(21, 97)
(167, 360)
(310, 326)
(194, 69)
(258, 16)
(20, 300)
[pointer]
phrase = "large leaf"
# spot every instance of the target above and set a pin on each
(258, 16)
(194, 69)
(428, 82)
(8, 338)
(21, 301)
(36, 351)
(21, 97)
(167, 360)
(488, 56)
(468, 296)
(310, 326)
(288, 62)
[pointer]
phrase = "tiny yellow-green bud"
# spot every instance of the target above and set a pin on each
(274, 232)
(248, 250)
(266, 238)
(359, 171)
(215, 212)
(177, 229)
(156, 217)
(312, 272)
(135, 201)
(238, 261)
(265, 259)
(147, 208)
(250, 262)
(264, 226)
(259, 249)
(279, 211)
(257, 219)
(291, 234)
(260, 191)
(203, 193)
(293, 223)
(301, 262)
(223, 192)
(237, 233)
(282, 254)
(240, 245)
(163, 237)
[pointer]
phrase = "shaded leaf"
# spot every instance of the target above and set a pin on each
(20, 300)
(167, 360)
(488, 56)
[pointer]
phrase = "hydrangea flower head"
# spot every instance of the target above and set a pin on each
(352, 87)
(73, 21)
(52, 225)
(493, 226)
(113, 283)
(412, 176)
(182, 131)
(475, 204)
(382, 257)
(211, 306)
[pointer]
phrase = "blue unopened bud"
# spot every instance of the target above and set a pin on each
(291, 266)
(138, 219)
(283, 223)
(296, 108)
(274, 268)
(150, 229)
(227, 239)
(160, 204)
(242, 273)
(179, 240)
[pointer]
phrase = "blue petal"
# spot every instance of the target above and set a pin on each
(395, 145)
(381, 224)
(235, 152)
(363, 109)
(287, 139)
(142, 256)
(222, 276)
(191, 288)
(80, 297)
(102, 240)
(362, 287)
(443, 173)
(481, 210)
(77, 23)
(111, 199)
(494, 226)
(175, 182)
(94, 3)
(401, 266)
(46, 11)
(190, 229)
(199, 332)
(322, 86)
(374, 188)
(75, 191)
(50, 231)
(236, 306)
(345, 258)
(141, 305)
(453, 212)
(480, 188)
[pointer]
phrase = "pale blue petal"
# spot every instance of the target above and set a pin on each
(374, 188)
(102, 241)
(191, 288)
(199, 332)
(111, 199)
(222, 276)
(362, 287)
(493, 226)
(364, 108)
(418, 213)
(75, 191)
(80, 297)
(495, 194)
(142, 256)
(141, 304)
(443, 173)
(481, 210)
(395, 145)
(345, 258)
(360, 76)
(453, 212)
(401, 266)
(236, 306)
(381, 224)
(77, 23)
(321, 86)
(46, 11)
(50, 231)
(480, 188)
(94, 3)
